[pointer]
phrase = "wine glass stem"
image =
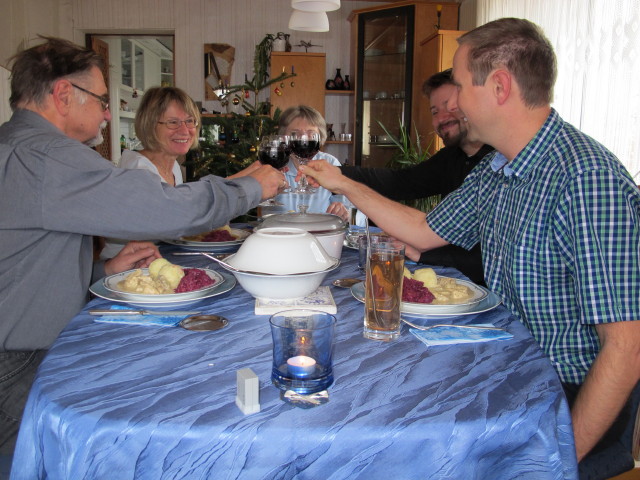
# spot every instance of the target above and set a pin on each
(304, 184)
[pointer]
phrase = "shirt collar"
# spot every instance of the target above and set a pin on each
(531, 154)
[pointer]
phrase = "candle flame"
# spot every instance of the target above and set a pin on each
(439, 8)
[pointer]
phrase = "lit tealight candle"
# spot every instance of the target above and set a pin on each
(301, 365)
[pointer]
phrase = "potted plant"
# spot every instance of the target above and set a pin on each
(408, 153)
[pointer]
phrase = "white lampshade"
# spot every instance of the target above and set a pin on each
(316, 5)
(309, 21)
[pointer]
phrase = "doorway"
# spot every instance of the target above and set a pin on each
(136, 63)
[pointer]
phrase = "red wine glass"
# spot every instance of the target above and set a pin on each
(304, 145)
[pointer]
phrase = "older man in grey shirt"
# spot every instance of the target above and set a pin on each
(56, 193)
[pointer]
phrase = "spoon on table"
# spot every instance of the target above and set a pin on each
(478, 327)
(199, 321)
(204, 322)
(346, 282)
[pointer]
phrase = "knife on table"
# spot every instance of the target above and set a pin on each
(115, 313)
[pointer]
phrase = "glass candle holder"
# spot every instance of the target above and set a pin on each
(302, 350)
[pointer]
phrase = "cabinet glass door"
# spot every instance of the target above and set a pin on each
(139, 68)
(126, 62)
(385, 67)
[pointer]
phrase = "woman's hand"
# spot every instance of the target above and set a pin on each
(337, 208)
(133, 255)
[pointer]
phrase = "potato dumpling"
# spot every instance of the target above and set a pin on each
(407, 273)
(156, 265)
(172, 274)
(427, 276)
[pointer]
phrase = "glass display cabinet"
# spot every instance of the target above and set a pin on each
(394, 53)
(385, 70)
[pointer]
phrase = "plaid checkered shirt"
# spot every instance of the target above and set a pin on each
(559, 228)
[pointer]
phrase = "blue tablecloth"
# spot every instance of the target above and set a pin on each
(123, 401)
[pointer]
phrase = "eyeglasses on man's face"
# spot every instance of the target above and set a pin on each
(104, 99)
(174, 123)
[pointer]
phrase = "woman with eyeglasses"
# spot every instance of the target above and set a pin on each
(168, 126)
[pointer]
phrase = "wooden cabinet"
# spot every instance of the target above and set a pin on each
(435, 55)
(388, 83)
(306, 88)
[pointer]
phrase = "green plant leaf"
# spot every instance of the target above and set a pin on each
(410, 153)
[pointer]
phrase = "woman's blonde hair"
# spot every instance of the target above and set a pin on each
(153, 105)
(309, 114)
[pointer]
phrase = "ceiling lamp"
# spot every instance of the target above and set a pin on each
(316, 5)
(309, 21)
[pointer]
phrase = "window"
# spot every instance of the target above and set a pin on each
(597, 43)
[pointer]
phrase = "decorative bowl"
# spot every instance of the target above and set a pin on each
(280, 286)
(329, 229)
(281, 251)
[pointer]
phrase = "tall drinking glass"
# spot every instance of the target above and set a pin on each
(383, 290)
(305, 146)
(274, 150)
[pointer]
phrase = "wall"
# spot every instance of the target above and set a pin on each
(240, 23)
(468, 13)
(5, 111)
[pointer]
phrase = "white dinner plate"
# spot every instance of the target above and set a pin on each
(488, 302)
(111, 284)
(227, 283)
(215, 247)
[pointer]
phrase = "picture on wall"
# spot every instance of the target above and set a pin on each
(218, 62)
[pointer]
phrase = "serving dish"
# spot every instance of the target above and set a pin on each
(329, 229)
(355, 232)
(215, 247)
(280, 251)
(281, 286)
(482, 301)
(227, 283)
(110, 284)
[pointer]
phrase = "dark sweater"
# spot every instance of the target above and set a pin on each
(439, 175)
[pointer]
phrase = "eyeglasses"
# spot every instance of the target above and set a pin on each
(304, 132)
(104, 99)
(174, 123)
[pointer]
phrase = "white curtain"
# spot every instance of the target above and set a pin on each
(597, 43)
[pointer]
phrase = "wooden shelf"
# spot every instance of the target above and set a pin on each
(339, 92)
(337, 142)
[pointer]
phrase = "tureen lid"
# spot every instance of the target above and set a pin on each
(316, 223)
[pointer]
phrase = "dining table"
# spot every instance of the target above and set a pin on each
(123, 401)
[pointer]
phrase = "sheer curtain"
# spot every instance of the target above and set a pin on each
(597, 43)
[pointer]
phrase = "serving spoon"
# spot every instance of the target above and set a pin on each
(195, 321)
(216, 259)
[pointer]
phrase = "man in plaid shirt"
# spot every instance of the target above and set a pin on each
(557, 217)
